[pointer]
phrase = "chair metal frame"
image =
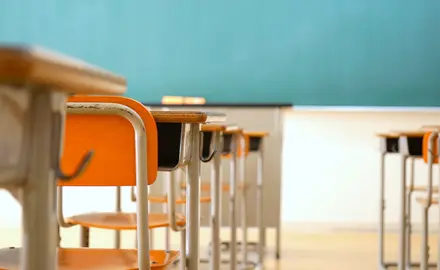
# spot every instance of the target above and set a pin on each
(431, 160)
(141, 168)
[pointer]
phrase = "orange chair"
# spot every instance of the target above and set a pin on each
(130, 124)
(431, 157)
(167, 123)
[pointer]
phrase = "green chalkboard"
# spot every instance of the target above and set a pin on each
(308, 52)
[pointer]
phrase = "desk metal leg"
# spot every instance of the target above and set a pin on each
(215, 205)
(39, 191)
(430, 190)
(165, 210)
(425, 228)
(278, 242)
(152, 230)
(408, 214)
(118, 210)
(193, 205)
(402, 220)
(382, 212)
(244, 244)
(84, 237)
(260, 205)
(182, 264)
(424, 258)
(232, 206)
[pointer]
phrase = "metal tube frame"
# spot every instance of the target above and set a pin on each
(408, 211)
(84, 237)
(46, 125)
(424, 256)
(171, 210)
(165, 207)
(216, 193)
(141, 167)
(193, 200)
(242, 179)
(232, 208)
(382, 211)
(118, 209)
(133, 199)
(430, 196)
(401, 262)
(260, 206)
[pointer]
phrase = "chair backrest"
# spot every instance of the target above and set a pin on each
(433, 149)
(112, 138)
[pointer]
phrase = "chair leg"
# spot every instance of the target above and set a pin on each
(408, 233)
(167, 238)
(117, 239)
(408, 214)
(152, 239)
(424, 256)
(183, 250)
(84, 236)
(59, 236)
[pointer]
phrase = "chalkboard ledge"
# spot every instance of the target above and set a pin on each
(230, 105)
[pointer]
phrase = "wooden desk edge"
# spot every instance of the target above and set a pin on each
(409, 133)
(25, 64)
(257, 134)
(388, 135)
(431, 128)
(233, 129)
(397, 134)
(187, 117)
(213, 128)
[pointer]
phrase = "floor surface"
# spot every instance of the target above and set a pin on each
(300, 251)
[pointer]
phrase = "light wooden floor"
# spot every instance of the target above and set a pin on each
(300, 251)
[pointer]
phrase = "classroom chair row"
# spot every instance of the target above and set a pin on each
(410, 145)
(105, 141)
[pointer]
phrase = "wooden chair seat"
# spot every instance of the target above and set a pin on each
(182, 200)
(424, 200)
(121, 221)
(422, 188)
(94, 259)
(207, 187)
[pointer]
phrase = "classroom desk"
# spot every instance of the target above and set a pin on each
(256, 146)
(410, 148)
(251, 117)
(181, 130)
(34, 84)
(213, 135)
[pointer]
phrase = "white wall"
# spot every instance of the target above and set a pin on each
(331, 169)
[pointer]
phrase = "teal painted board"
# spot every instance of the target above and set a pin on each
(326, 52)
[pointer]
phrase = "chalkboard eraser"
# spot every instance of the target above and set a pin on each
(172, 100)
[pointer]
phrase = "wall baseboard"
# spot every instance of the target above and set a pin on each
(351, 227)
